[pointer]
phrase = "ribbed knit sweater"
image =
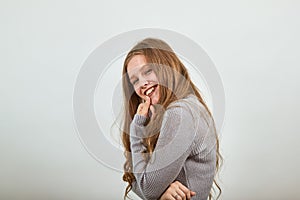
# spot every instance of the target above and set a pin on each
(185, 151)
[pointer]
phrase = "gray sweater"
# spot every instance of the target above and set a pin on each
(185, 151)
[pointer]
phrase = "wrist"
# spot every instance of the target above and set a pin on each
(139, 119)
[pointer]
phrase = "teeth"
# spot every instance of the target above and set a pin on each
(149, 91)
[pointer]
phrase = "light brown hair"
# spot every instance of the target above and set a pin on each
(175, 83)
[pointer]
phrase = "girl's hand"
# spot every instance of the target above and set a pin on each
(177, 191)
(143, 108)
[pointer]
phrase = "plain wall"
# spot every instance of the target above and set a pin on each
(255, 48)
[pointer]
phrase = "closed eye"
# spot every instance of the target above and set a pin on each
(134, 81)
(148, 71)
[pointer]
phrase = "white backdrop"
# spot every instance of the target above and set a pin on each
(254, 45)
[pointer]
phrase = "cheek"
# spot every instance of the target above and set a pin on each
(157, 92)
(137, 91)
(153, 77)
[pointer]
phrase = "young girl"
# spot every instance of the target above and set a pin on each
(169, 136)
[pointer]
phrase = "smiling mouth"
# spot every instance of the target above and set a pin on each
(150, 90)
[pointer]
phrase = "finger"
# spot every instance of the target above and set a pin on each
(178, 197)
(167, 196)
(193, 193)
(171, 197)
(185, 190)
(148, 100)
(181, 194)
(152, 112)
(188, 196)
(147, 105)
(143, 109)
(152, 109)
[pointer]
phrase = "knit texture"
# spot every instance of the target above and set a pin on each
(185, 151)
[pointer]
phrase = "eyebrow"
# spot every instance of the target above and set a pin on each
(131, 77)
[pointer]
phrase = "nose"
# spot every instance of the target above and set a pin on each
(143, 82)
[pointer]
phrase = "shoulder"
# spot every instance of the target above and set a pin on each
(190, 112)
(182, 111)
(187, 105)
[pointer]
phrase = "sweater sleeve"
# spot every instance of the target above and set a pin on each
(136, 189)
(172, 149)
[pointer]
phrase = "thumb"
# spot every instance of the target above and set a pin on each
(148, 101)
(152, 112)
(152, 109)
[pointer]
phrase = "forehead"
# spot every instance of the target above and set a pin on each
(136, 63)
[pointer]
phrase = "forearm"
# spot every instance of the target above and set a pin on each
(155, 176)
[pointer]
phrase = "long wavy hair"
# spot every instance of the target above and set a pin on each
(175, 83)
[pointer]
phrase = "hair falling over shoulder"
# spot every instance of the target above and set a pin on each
(176, 84)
